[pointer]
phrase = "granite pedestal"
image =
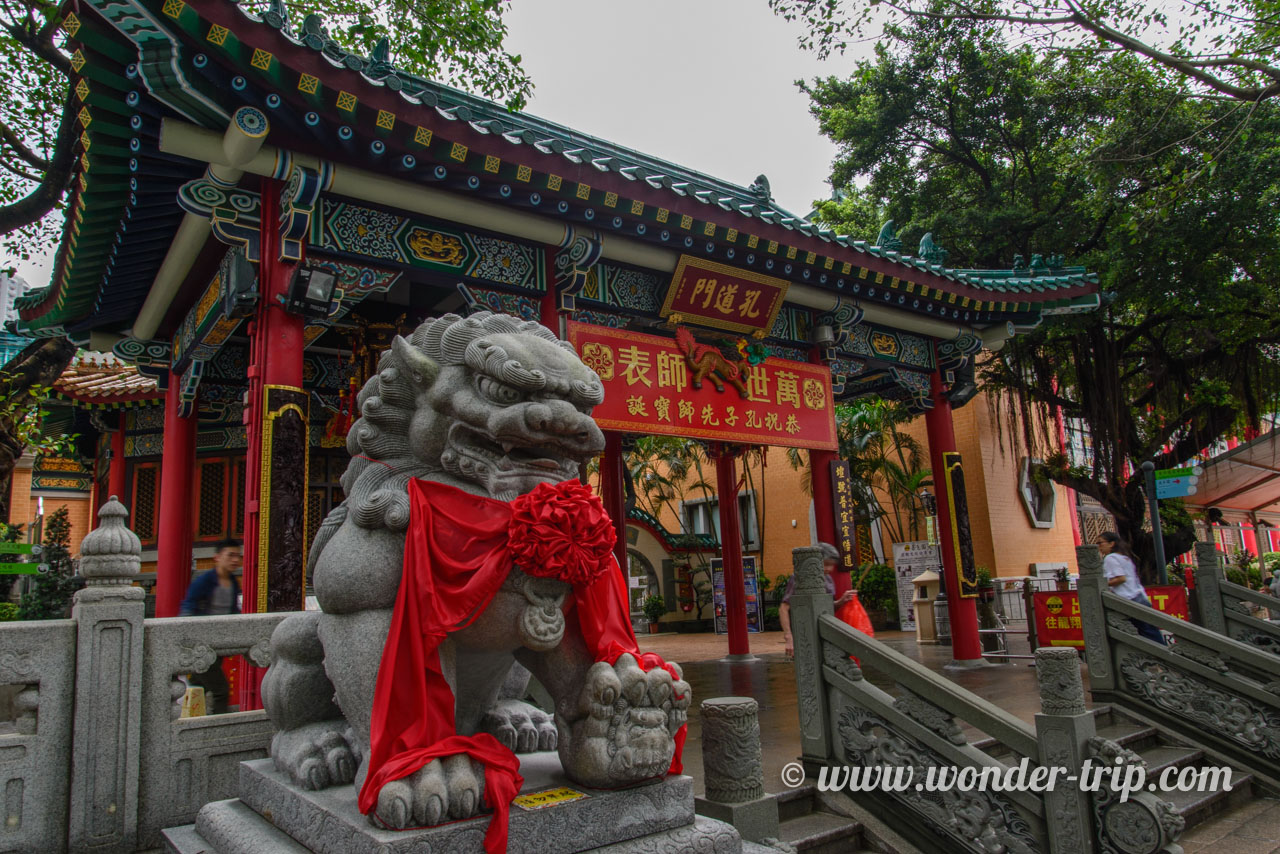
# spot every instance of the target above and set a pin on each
(273, 817)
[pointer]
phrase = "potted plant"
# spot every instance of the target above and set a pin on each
(1063, 577)
(878, 591)
(654, 609)
(986, 587)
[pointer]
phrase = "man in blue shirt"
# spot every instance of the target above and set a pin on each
(213, 592)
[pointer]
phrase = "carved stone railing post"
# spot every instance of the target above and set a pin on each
(1097, 649)
(1208, 588)
(108, 690)
(1063, 730)
(733, 768)
(809, 602)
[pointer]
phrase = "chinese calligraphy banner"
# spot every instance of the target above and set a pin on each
(961, 537)
(1057, 614)
(647, 389)
(846, 526)
(724, 297)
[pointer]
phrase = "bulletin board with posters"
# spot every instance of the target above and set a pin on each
(751, 585)
(1057, 613)
(909, 560)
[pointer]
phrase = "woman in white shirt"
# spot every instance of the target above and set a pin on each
(1122, 578)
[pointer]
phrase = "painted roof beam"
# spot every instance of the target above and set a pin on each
(196, 143)
(239, 144)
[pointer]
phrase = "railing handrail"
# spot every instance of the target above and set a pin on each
(942, 692)
(1245, 594)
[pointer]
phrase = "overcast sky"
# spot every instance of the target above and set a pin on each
(706, 84)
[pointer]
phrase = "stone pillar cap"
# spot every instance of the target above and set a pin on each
(111, 553)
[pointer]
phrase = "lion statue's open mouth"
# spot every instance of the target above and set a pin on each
(505, 466)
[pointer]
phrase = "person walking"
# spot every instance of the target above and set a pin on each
(830, 560)
(213, 592)
(1122, 578)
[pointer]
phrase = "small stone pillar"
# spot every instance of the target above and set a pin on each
(1208, 591)
(103, 814)
(809, 602)
(1093, 619)
(733, 770)
(1063, 730)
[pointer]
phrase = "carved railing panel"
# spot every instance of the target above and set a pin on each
(1211, 688)
(187, 762)
(40, 657)
(1232, 609)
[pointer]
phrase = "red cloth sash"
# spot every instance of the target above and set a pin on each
(456, 557)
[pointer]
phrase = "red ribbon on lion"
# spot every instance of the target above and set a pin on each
(458, 550)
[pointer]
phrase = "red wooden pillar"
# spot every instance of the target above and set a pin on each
(612, 495)
(115, 473)
(735, 595)
(963, 612)
(824, 508)
(173, 551)
(275, 347)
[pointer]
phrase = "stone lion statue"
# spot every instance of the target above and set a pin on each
(493, 406)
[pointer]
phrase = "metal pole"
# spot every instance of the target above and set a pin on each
(1149, 471)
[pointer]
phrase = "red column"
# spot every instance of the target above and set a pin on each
(824, 509)
(115, 474)
(612, 493)
(735, 595)
(965, 644)
(275, 351)
(173, 552)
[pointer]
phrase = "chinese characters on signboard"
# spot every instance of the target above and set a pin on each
(846, 526)
(648, 389)
(961, 538)
(751, 591)
(1057, 613)
(724, 297)
(909, 560)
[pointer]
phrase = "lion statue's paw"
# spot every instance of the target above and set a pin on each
(444, 789)
(625, 726)
(317, 755)
(520, 727)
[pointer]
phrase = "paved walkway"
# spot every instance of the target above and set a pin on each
(770, 679)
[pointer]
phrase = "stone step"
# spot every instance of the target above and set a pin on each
(794, 803)
(1135, 736)
(230, 827)
(1198, 807)
(1170, 756)
(821, 832)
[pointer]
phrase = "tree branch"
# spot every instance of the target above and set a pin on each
(46, 195)
(11, 138)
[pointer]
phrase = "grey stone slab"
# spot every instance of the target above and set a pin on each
(328, 821)
(754, 820)
(185, 840)
(230, 827)
(705, 836)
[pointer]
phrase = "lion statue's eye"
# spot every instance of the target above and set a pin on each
(496, 391)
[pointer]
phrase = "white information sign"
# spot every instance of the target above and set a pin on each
(909, 560)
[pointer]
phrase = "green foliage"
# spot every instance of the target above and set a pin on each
(1001, 151)
(24, 410)
(9, 534)
(1245, 566)
(654, 607)
(984, 577)
(8, 612)
(1271, 561)
(878, 589)
(50, 596)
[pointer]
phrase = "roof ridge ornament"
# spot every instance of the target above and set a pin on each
(887, 240)
(930, 251)
(760, 188)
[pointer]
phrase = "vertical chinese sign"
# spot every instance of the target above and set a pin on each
(842, 501)
(648, 389)
(961, 537)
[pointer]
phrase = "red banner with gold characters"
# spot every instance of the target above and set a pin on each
(648, 388)
(1057, 614)
(724, 297)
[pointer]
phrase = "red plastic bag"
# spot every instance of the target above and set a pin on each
(853, 614)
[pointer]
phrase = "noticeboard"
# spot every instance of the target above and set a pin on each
(751, 588)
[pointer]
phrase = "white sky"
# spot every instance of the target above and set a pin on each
(706, 84)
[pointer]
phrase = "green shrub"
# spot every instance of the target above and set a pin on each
(1236, 576)
(654, 608)
(8, 612)
(878, 590)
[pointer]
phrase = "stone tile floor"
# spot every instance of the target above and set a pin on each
(770, 679)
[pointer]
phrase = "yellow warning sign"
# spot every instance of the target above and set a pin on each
(549, 798)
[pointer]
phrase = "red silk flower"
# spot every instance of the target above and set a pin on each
(561, 531)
